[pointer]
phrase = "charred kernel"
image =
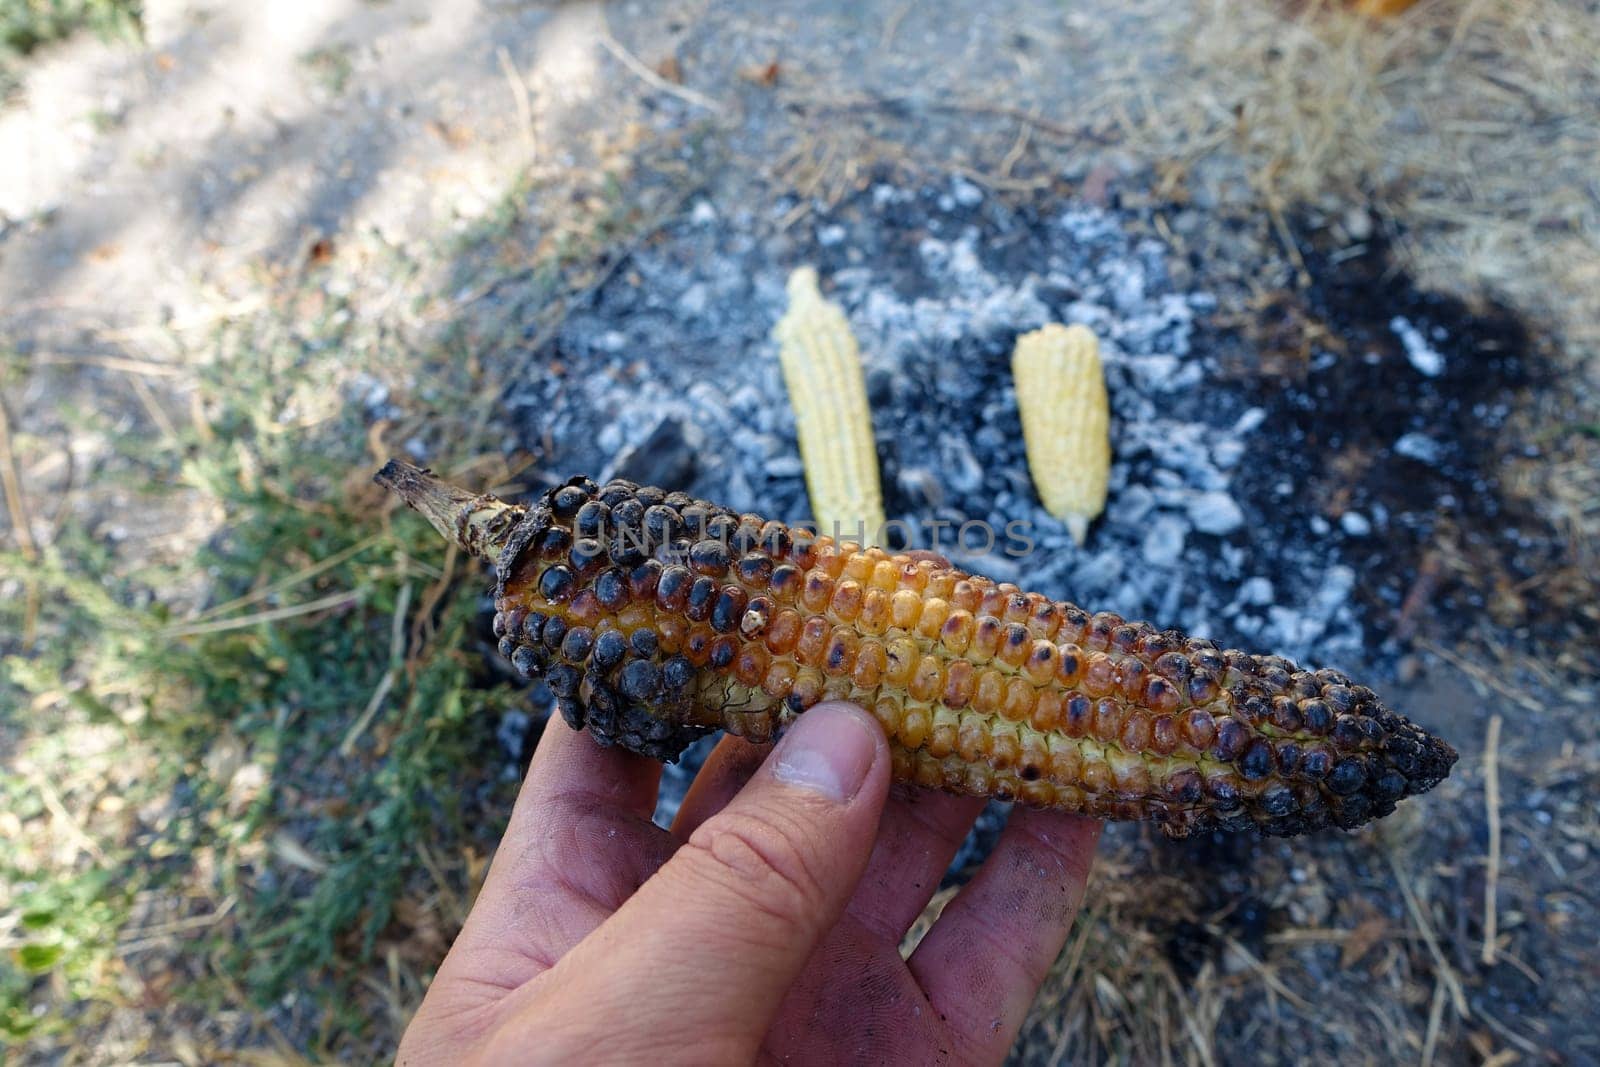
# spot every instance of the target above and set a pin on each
(871, 662)
(1390, 786)
(555, 631)
(747, 536)
(1347, 733)
(672, 588)
(967, 595)
(1015, 644)
(617, 490)
(593, 520)
(528, 660)
(1347, 777)
(927, 680)
(956, 632)
(813, 641)
(755, 569)
(553, 543)
(1277, 799)
(987, 634)
(1256, 763)
(533, 626)
(905, 607)
(1232, 737)
(670, 632)
(709, 557)
(1340, 698)
(565, 502)
(728, 609)
(1079, 718)
(1040, 666)
(786, 581)
(627, 518)
(1100, 675)
(846, 601)
(840, 655)
(577, 645)
(639, 680)
(697, 605)
(557, 584)
(564, 679)
(1159, 695)
(662, 524)
(1225, 792)
(499, 626)
(1315, 763)
(1069, 672)
(609, 648)
(1107, 719)
(643, 578)
(1203, 686)
(784, 632)
(723, 651)
(1289, 755)
(644, 643)
(1286, 715)
(611, 590)
(697, 644)
(677, 674)
(992, 601)
(818, 591)
(506, 645)
(1184, 787)
(1198, 728)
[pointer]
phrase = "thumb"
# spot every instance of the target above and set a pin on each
(711, 943)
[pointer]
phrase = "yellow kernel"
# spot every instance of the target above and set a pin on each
(905, 607)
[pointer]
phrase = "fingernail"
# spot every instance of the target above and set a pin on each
(828, 750)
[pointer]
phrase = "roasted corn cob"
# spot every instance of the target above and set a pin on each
(656, 619)
(822, 370)
(1066, 421)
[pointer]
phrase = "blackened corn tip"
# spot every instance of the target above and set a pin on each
(981, 687)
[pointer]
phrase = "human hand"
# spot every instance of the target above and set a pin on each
(765, 925)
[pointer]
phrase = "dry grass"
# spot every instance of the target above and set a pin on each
(1473, 123)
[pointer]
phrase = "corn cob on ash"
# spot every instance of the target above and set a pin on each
(822, 371)
(1066, 421)
(656, 619)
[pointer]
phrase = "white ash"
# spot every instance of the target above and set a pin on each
(1428, 361)
(937, 284)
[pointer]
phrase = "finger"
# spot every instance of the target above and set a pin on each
(571, 766)
(708, 946)
(920, 833)
(731, 764)
(984, 960)
(578, 844)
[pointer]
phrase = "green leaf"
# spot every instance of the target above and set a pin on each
(36, 959)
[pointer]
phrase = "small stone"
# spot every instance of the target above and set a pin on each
(663, 459)
(1163, 542)
(1215, 513)
(1418, 446)
(1355, 524)
(1256, 591)
(703, 213)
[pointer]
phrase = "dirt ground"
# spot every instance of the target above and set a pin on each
(526, 196)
